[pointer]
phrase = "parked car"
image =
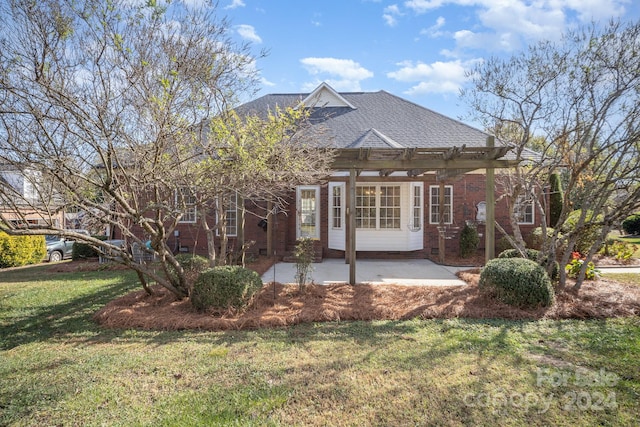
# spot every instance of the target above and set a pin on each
(59, 247)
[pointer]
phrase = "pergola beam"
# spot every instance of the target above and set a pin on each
(417, 163)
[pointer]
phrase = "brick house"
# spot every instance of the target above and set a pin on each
(21, 201)
(411, 177)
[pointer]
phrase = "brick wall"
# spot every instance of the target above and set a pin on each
(468, 191)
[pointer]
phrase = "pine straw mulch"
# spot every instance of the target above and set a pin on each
(279, 305)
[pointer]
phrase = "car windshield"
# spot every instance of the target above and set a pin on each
(51, 237)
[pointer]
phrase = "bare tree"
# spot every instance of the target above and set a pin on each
(260, 159)
(580, 95)
(102, 99)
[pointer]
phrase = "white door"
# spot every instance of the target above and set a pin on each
(308, 212)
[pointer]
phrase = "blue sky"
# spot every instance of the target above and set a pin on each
(416, 49)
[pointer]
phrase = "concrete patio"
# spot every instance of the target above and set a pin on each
(416, 272)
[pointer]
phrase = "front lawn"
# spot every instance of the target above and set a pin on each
(57, 367)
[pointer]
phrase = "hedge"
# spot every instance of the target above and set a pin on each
(517, 281)
(21, 250)
(224, 287)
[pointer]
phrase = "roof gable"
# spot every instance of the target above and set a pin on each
(324, 96)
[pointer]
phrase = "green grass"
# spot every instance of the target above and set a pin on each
(628, 278)
(57, 367)
(633, 240)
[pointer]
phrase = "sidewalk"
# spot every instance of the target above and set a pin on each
(415, 272)
(620, 269)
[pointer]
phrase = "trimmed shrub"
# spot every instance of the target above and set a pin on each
(223, 287)
(21, 250)
(631, 225)
(517, 281)
(82, 250)
(193, 266)
(502, 244)
(469, 241)
(533, 255)
(589, 233)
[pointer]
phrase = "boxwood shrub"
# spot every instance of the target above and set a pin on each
(224, 287)
(21, 250)
(83, 250)
(631, 225)
(517, 281)
(193, 266)
(533, 255)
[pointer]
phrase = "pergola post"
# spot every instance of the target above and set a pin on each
(490, 229)
(441, 235)
(270, 219)
(351, 215)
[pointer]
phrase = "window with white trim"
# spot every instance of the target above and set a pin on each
(366, 206)
(390, 206)
(378, 206)
(230, 206)
(231, 212)
(523, 209)
(434, 205)
(336, 207)
(186, 203)
(416, 207)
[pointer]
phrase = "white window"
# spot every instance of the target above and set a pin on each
(390, 206)
(230, 206)
(524, 210)
(232, 215)
(336, 207)
(186, 203)
(366, 206)
(416, 207)
(308, 204)
(434, 198)
(378, 206)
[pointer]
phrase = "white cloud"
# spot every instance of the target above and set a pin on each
(249, 33)
(508, 24)
(589, 10)
(422, 6)
(437, 77)
(434, 30)
(235, 4)
(344, 74)
(390, 15)
(266, 82)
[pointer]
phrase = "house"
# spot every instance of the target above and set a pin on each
(22, 202)
(410, 178)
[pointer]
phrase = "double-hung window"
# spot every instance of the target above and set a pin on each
(231, 210)
(186, 203)
(230, 206)
(524, 209)
(434, 205)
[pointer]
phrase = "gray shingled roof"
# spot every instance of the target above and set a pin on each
(379, 120)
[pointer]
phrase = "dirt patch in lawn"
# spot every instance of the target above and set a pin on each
(278, 305)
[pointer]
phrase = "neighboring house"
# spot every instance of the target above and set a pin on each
(21, 202)
(415, 177)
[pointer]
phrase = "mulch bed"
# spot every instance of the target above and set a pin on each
(279, 305)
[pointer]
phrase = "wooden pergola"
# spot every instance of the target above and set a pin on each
(446, 162)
